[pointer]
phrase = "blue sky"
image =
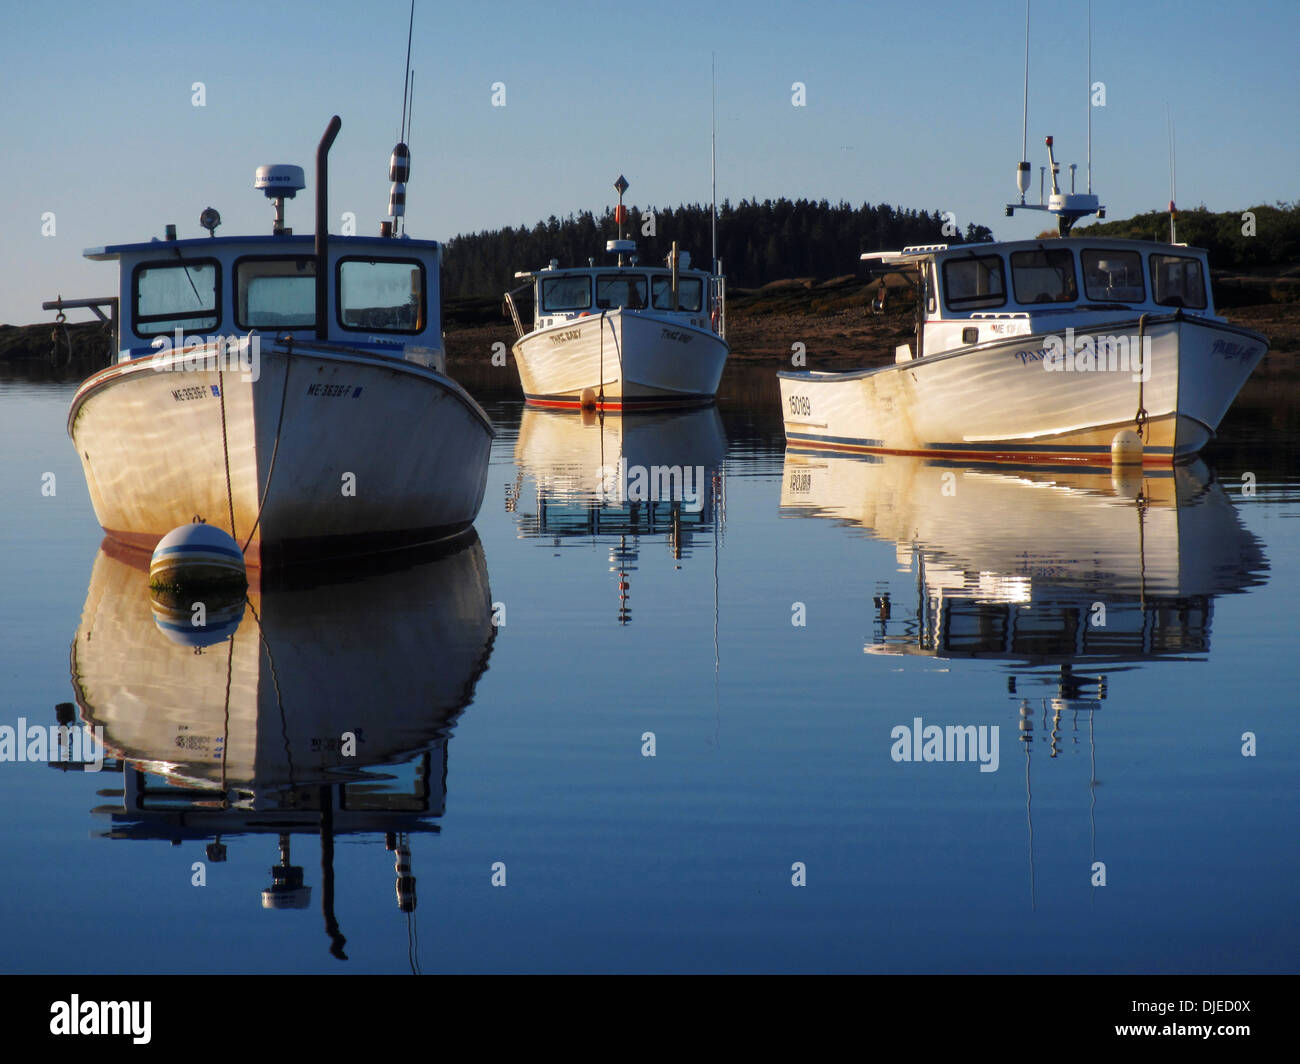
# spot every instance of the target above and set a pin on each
(914, 105)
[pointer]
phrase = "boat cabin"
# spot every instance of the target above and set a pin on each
(972, 293)
(559, 295)
(382, 293)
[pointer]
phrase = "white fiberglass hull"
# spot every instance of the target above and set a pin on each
(620, 360)
(1006, 400)
(344, 453)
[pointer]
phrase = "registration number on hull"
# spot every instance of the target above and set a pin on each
(800, 405)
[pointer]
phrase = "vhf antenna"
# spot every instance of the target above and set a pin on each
(399, 165)
(713, 160)
(1070, 206)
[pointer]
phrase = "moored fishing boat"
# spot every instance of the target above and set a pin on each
(1039, 350)
(1076, 349)
(623, 337)
(310, 414)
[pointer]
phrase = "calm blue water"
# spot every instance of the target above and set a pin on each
(773, 631)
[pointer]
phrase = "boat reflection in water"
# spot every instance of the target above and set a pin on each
(322, 705)
(619, 480)
(1047, 571)
(1038, 567)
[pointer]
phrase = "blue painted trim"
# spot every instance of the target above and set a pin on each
(196, 549)
(1017, 448)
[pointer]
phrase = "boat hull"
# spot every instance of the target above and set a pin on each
(319, 454)
(1009, 400)
(620, 361)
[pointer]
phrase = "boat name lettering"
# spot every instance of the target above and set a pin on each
(333, 391)
(1230, 350)
(800, 405)
(673, 334)
(193, 391)
(566, 336)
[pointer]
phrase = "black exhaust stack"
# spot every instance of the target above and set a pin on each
(322, 226)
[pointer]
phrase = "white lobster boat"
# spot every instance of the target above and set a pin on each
(622, 338)
(310, 414)
(1040, 350)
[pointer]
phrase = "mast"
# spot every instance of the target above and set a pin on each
(713, 160)
(1173, 187)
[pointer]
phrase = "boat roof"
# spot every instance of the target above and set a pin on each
(921, 252)
(557, 271)
(295, 242)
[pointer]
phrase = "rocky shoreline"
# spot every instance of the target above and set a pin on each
(833, 320)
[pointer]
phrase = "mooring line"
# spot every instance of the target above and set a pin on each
(225, 447)
(275, 449)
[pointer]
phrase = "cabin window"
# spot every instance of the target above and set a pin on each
(1044, 276)
(275, 293)
(690, 293)
(381, 295)
(1113, 276)
(566, 293)
(1178, 281)
(170, 296)
(621, 290)
(974, 282)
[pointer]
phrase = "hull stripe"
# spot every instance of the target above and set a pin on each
(1076, 453)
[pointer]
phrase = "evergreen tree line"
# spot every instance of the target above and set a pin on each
(1262, 238)
(757, 242)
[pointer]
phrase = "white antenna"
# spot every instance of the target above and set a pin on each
(1088, 95)
(1070, 206)
(1022, 172)
(1024, 128)
(713, 160)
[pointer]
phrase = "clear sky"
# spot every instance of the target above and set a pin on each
(913, 104)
